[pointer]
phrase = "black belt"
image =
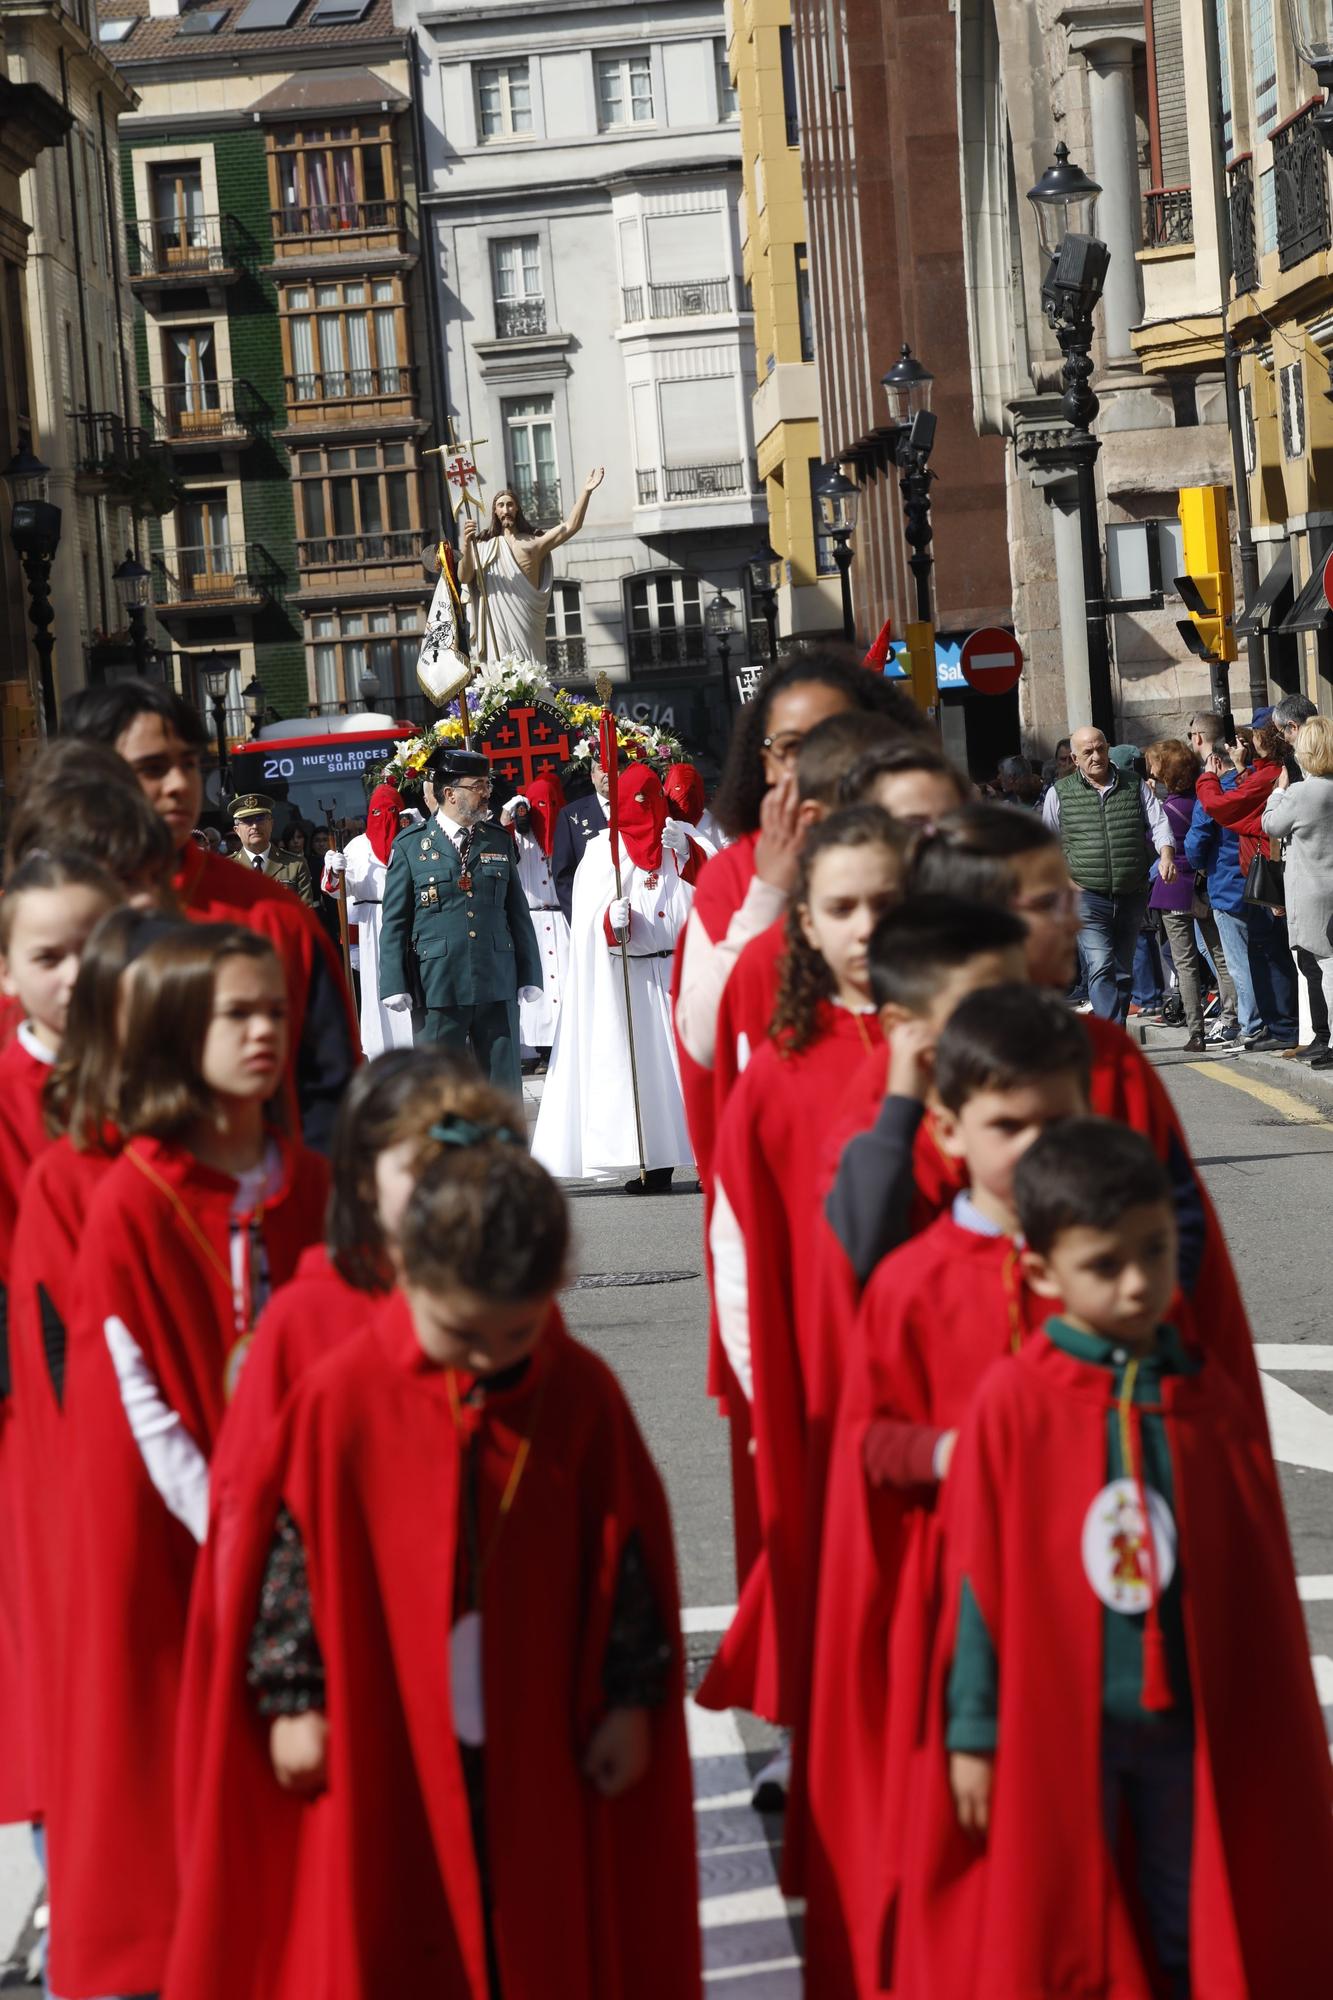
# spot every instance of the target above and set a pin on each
(635, 955)
(539, 907)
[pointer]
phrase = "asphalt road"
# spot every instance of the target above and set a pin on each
(1262, 1132)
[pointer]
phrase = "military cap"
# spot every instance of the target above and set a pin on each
(448, 764)
(253, 805)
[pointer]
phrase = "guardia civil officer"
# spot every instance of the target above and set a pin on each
(456, 923)
(252, 817)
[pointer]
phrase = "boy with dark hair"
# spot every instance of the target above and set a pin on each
(1009, 1062)
(1116, 1548)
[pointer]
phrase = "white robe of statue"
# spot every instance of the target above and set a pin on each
(585, 1127)
(380, 1030)
(515, 611)
(539, 1018)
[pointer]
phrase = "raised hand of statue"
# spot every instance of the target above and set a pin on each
(469, 532)
(594, 479)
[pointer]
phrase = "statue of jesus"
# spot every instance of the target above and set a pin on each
(516, 560)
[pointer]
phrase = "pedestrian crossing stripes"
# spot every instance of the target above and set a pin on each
(751, 1944)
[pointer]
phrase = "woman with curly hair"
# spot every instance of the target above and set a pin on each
(745, 888)
(1175, 767)
(851, 869)
(1257, 758)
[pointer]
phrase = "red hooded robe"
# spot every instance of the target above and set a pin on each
(684, 788)
(384, 816)
(1038, 1908)
(373, 1887)
(111, 1825)
(546, 801)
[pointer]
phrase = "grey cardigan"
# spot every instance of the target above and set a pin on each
(1303, 817)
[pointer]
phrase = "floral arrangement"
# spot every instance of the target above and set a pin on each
(638, 742)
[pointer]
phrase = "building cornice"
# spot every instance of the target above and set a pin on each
(40, 15)
(1091, 23)
(30, 121)
(500, 193)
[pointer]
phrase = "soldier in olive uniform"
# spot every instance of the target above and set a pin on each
(252, 816)
(454, 906)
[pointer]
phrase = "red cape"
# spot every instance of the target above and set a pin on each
(719, 892)
(111, 1828)
(22, 1137)
(935, 1315)
(373, 1888)
(1016, 1916)
(56, 1198)
(768, 1169)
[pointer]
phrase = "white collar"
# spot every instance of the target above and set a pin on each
(32, 1043)
(251, 856)
(968, 1216)
(455, 830)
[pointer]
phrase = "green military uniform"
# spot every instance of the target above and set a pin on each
(467, 934)
(289, 869)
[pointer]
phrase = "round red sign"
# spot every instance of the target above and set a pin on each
(991, 660)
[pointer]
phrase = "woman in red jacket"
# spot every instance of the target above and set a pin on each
(1257, 764)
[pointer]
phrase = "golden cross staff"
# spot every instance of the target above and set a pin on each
(461, 472)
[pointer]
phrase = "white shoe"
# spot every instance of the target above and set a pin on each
(773, 1782)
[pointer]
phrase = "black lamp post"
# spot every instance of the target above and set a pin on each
(908, 386)
(720, 619)
(254, 700)
(34, 530)
(369, 688)
(215, 676)
(762, 568)
(132, 583)
(1311, 23)
(839, 504)
(1065, 202)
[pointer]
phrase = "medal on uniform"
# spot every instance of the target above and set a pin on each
(1117, 1560)
(465, 882)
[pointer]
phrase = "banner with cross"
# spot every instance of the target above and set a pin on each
(526, 741)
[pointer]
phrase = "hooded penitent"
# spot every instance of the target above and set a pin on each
(641, 815)
(684, 789)
(382, 821)
(546, 798)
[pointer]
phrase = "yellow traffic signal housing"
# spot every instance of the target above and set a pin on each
(920, 647)
(1206, 586)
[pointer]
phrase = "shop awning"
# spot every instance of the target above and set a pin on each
(1273, 599)
(1310, 613)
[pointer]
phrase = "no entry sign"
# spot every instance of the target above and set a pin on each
(1328, 580)
(991, 660)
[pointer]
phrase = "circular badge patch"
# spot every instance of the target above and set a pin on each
(1115, 1553)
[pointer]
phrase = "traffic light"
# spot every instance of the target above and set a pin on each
(1206, 586)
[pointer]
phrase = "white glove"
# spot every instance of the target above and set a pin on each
(676, 840)
(335, 863)
(530, 993)
(619, 914)
(397, 1003)
(507, 815)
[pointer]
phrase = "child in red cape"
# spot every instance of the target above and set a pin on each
(78, 1103)
(445, 1750)
(50, 906)
(205, 1210)
(1004, 854)
(937, 1313)
(1135, 1747)
(851, 871)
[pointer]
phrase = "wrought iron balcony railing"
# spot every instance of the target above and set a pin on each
(360, 551)
(200, 412)
(685, 648)
(1300, 182)
(647, 489)
(1244, 245)
(1168, 218)
(517, 318)
(337, 218)
(539, 499)
(104, 440)
(680, 301)
(217, 573)
(566, 656)
(704, 482)
(346, 385)
(198, 247)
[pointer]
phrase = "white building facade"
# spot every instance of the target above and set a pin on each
(581, 194)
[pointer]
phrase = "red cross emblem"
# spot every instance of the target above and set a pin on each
(460, 471)
(527, 743)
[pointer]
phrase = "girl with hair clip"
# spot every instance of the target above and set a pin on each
(390, 1798)
(207, 1209)
(852, 869)
(50, 906)
(80, 1145)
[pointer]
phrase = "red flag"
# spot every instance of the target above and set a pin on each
(609, 751)
(878, 656)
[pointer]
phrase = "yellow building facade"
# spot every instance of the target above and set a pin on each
(776, 267)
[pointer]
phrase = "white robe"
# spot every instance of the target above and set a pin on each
(380, 1030)
(515, 612)
(585, 1127)
(539, 1018)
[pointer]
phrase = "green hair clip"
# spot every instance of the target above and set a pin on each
(465, 1132)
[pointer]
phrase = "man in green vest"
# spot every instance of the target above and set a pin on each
(1109, 822)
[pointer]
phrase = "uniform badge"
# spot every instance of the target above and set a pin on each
(1116, 1558)
(425, 845)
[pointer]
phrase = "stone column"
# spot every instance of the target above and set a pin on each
(1115, 164)
(1062, 499)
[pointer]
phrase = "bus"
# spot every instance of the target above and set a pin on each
(307, 764)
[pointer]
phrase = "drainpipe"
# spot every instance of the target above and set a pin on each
(77, 240)
(434, 316)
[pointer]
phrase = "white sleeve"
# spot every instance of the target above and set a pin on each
(706, 967)
(1050, 812)
(731, 1289)
(172, 1459)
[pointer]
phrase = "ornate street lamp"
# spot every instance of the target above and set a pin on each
(720, 620)
(908, 387)
(1311, 23)
(762, 569)
(839, 504)
(133, 583)
(34, 530)
(254, 700)
(215, 676)
(1065, 204)
(369, 688)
